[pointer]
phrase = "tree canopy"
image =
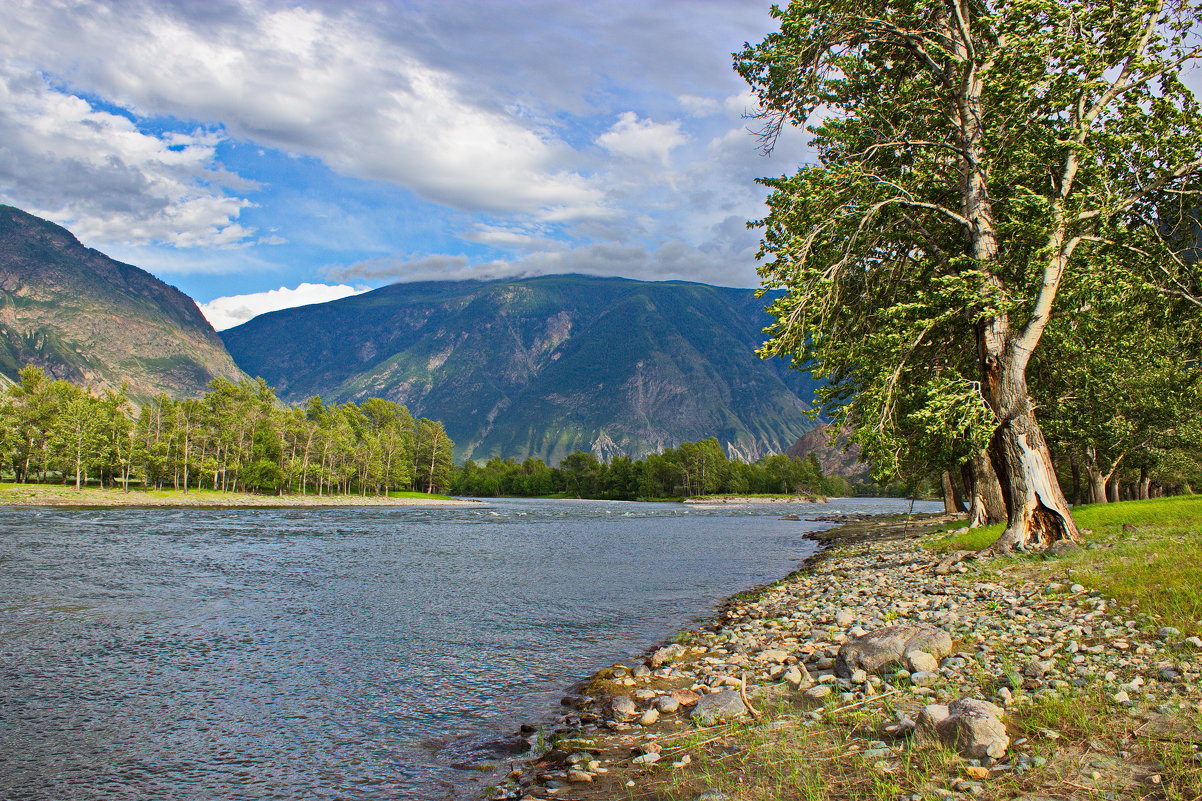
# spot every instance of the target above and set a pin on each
(975, 162)
(236, 437)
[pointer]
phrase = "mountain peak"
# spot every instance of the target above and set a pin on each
(84, 317)
(544, 366)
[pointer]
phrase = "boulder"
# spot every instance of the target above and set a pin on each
(970, 726)
(623, 707)
(717, 707)
(888, 646)
(661, 656)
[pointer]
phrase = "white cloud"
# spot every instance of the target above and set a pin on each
(669, 260)
(95, 172)
(700, 106)
(234, 310)
(512, 237)
(495, 109)
(307, 81)
(436, 264)
(642, 139)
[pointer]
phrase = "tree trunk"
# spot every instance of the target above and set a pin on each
(1075, 466)
(1112, 490)
(950, 505)
(1097, 479)
(988, 505)
(1145, 484)
(1037, 512)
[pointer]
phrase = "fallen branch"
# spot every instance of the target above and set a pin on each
(743, 695)
(864, 701)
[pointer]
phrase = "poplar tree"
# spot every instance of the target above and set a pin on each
(974, 157)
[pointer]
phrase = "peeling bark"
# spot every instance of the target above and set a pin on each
(1037, 512)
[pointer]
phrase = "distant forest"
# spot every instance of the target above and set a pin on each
(237, 437)
(694, 468)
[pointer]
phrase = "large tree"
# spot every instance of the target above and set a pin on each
(973, 157)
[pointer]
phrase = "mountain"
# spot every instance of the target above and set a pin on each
(86, 318)
(838, 459)
(544, 366)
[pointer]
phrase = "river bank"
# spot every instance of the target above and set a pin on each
(756, 499)
(1097, 700)
(58, 495)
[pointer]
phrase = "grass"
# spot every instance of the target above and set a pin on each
(800, 759)
(780, 495)
(433, 496)
(1081, 744)
(1145, 554)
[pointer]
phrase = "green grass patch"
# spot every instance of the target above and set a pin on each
(784, 496)
(432, 496)
(1146, 554)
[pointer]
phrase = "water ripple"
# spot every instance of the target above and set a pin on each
(317, 653)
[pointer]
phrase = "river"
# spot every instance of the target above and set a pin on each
(332, 653)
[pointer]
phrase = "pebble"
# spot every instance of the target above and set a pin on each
(711, 795)
(666, 704)
(792, 633)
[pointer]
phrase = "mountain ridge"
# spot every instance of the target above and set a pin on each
(546, 365)
(84, 317)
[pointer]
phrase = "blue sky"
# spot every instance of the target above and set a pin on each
(259, 154)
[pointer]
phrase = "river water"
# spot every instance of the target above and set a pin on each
(332, 653)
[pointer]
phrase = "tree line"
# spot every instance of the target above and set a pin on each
(993, 263)
(236, 437)
(693, 468)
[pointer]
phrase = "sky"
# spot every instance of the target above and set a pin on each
(260, 154)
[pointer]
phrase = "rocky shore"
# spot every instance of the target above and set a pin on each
(877, 672)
